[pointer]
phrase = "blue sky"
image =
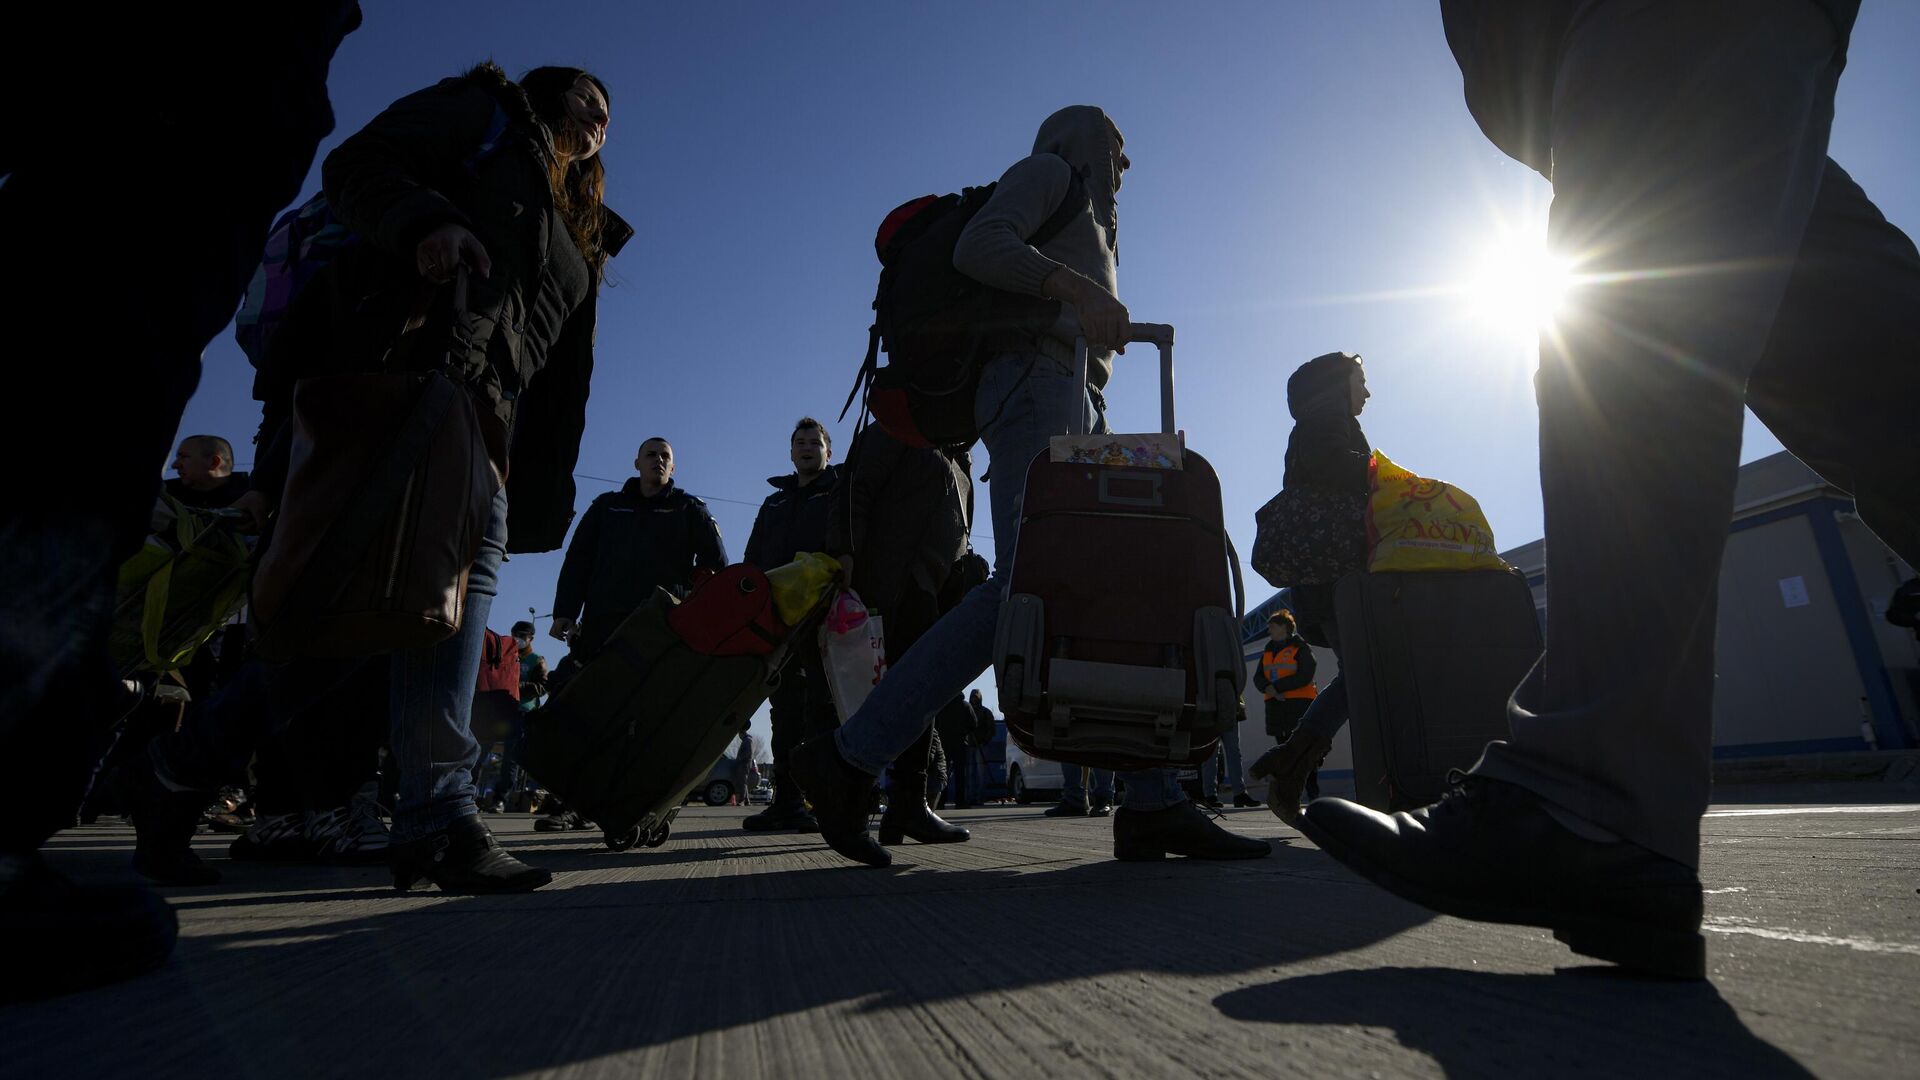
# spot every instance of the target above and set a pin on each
(1299, 169)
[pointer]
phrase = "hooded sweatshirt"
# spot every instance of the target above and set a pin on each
(993, 248)
(1327, 450)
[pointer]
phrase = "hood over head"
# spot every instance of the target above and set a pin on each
(1319, 386)
(1090, 142)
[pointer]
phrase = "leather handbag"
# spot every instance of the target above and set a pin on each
(390, 484)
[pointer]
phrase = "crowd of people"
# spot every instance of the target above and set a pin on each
(1674, 135)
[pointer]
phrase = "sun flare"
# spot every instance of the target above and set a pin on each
(1514, 283)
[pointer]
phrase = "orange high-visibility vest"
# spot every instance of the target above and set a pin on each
(1282, 663)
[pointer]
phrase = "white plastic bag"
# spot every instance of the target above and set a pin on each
(853, 651)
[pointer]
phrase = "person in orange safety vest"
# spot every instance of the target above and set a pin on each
(1285, 679)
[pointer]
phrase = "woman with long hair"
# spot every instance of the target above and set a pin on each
(501, 181)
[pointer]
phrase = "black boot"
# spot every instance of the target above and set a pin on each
(777, 818)
(786, 813)
(908, 815)
(63, 937)
(1489, 850)
(1181, 829)
(463, 858)
(164, 822)
(1288, 768)
(841, 797)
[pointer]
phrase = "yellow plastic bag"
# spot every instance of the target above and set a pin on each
(801, 585)
(1416, 523)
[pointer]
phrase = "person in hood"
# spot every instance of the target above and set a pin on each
(792, 520)
(1326, 452)
(1687, 136)
(1028, 393)
(648, 535)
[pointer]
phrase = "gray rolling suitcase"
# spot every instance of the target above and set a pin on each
(1429, 661)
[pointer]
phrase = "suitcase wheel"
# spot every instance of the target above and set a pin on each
(659, 835)
(623, 840)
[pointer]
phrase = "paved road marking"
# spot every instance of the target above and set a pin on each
(1735, 925)
(1904, 808)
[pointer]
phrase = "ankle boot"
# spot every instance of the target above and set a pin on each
(164, 822)
(1287, 768)
(908, 815)
(462, 858)
(841, 795)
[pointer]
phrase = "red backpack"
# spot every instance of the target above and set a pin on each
(500, 665)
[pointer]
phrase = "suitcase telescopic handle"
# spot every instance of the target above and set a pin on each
(1158, 334)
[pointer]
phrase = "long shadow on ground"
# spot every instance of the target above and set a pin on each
(495, 986)
(1589, 1022)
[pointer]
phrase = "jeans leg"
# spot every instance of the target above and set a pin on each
(1328, 713)
(1688, 136)
(432, 704)
(1230, 746)
(1073, 787)
(1028, 399)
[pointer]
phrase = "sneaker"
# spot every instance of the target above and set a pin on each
(1067, 809)
(273, 838)
(561, 821)
(347, 836)
(1243, 800)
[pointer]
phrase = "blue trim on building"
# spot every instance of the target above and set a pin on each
(1790, 746)
(1855, 621)
(1854, 618)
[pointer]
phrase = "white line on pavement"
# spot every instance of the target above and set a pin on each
(1908, 808)
(1775, 933)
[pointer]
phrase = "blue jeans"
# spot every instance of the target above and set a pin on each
(1073, 784)
(432, 704)
(1024, 400)
(1329, 711)
(1236, 776)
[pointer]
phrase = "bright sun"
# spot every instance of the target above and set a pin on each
(1516, 284)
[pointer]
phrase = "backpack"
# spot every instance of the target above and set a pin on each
(936, 324)
(499, 665)
(306, 239)
(178, 590)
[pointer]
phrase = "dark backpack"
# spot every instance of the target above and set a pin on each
(936, 324)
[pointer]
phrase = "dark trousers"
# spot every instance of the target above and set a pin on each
(801, 709)
(1283, 715)
(1742, 267)
(221, 153)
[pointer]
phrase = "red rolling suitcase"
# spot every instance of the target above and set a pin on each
(1118, 645)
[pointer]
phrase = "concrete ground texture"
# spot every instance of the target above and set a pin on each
(1027, 952)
